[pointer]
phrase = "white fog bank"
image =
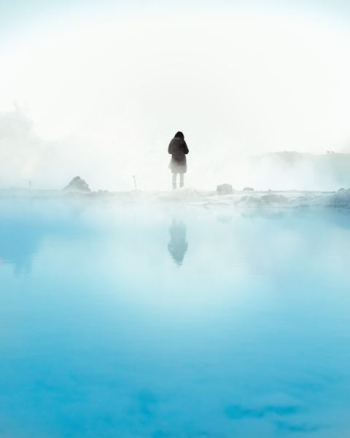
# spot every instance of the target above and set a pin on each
(102, 98)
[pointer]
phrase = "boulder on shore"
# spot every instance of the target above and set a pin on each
(340, 199)
(78, 185)
(224, 189)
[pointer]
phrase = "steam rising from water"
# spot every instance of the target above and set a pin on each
(103, 99)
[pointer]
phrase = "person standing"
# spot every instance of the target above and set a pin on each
(178, 164)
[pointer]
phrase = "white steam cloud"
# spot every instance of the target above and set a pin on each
(104, 99)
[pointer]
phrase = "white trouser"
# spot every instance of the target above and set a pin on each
(182, 175)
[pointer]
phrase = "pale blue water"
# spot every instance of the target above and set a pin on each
(177, 322)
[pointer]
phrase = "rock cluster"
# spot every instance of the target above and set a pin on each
(78, 185)
(224, 189)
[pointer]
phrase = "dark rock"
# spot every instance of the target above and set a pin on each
(224, 189)
(341, 199)
(248, 189)
(78, 185)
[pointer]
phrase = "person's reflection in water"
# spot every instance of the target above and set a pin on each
(178, 244)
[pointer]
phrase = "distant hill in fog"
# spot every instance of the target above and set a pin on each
(292, 157)
(328, 171)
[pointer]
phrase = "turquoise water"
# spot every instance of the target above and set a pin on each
(132, 321)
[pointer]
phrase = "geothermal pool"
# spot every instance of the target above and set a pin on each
(134, 320)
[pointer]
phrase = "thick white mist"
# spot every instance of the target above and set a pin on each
(105, 98)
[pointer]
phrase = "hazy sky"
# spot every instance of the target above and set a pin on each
(98, 88)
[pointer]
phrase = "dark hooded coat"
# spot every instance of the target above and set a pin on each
(178, 150)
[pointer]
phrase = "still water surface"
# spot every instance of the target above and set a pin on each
(131, 321)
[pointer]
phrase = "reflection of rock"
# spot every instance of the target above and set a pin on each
(224, 189)
(78, 185)
(248, 189)
(178, 244)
